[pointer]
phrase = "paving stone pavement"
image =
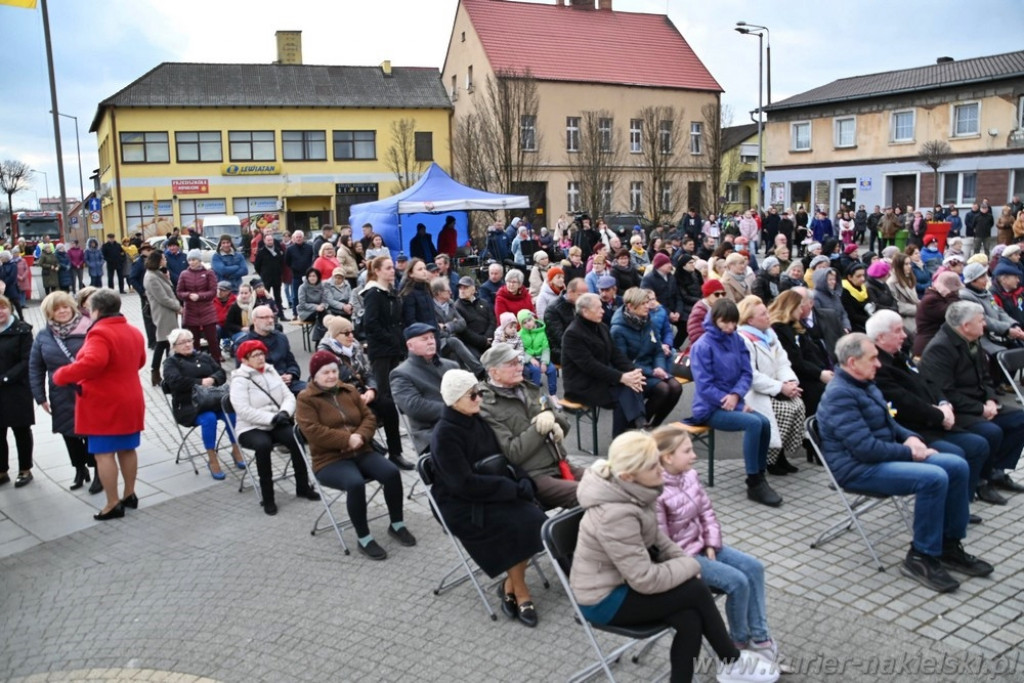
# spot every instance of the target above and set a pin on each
(198, 584)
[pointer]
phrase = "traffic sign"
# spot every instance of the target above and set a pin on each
(95, 217)
(94, 204)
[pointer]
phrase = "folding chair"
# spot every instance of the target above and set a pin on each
(250, 462)
(425, 468)
(856, 503)
(559, 535)
(184, 433)
(329, 500)
(1011, 362)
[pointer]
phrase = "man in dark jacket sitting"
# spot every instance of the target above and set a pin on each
(478, 315)
(559, 315)
(416, 384)
(867, 450)
(279, 351)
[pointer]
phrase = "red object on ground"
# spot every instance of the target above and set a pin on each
(939, 231)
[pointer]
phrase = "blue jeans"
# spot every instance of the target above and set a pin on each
(741, 576)
(533, 374)
(757, 432)
(293, 291)
(939, 485)
(971, 447)
(207, 422)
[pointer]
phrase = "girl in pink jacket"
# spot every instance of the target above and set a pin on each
(685, 515)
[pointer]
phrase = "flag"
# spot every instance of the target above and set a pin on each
(26, 4)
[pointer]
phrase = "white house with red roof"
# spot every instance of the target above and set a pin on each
(587, 57)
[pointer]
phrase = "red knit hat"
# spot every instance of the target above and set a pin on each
(319, 360)
(710, 287)
(247, 347)
(552, 272)
(660, 259)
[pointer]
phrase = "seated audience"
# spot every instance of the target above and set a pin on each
(560, 315)
(712, 291)
(416, 383)
(828, 296)
(512, 297)
(931, 313)
(903, 288)
(279, 351)
(479, 317)
(451, 324)
(867, 450)
(339, 428)
(537, 352)
(856, 297)
(495, 516)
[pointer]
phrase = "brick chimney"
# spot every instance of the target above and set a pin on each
(289, 47)
(604, 4)
(385, 68)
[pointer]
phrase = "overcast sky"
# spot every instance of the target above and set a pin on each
(100, 46)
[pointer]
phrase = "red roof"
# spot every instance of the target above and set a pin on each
(595, 46)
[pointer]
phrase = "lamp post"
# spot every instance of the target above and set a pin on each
(78, 147)
(46, 180)
(746, 29)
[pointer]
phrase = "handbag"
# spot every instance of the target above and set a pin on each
(208, 399)
(494, 466)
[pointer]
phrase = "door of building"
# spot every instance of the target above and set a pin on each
(847, 192)
(903, 190)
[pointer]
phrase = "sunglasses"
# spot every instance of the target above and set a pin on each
(717, 295)
(475, 394)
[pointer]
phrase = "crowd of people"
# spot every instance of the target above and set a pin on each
(893, 351)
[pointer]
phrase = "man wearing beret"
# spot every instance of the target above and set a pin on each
(416, 385)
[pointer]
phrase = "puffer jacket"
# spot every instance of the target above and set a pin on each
(202, 283)
(641, 343)
(418, 306)
(721, 365)
(181, 373)
(94, 259)
(329, 418)
(771, 367)
(829, 299)
(254, 408)
(509, 412)
(382, 322)
(46, 357)
(610, 553)
(997, 321)
(685, 514)
(535, 342)
(231, 267)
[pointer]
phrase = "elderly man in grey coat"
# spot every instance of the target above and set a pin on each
(416, 385)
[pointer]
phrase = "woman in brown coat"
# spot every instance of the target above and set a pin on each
(339, 428)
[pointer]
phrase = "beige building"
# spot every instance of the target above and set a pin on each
(567, 53)
(859, 140)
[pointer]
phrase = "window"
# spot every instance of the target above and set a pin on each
(959, 188)
(800, 194)
(696, 137)
(572, 134)
(192, 210)
(732, 193)
(604, 132)
(254, 208)
(528, 132)
(251, 145)
(666, 197)
(1018, 183)
(469, 78)
(1020, 113)
(198, 146)
(665, 137)
(902, 126)
(607, 191)
(424, 146)
(846, 132)
(636, 196)
(635, 135)
(749, 151)
(355, 144)
(966, 119)
(145, 148)
(136, 214)
(455, 87)
(572, 196)
(303, 145)
(800, 136)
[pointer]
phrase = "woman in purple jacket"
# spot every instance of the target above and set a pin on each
(722, 374)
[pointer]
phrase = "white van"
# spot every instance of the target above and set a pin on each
(215, 226)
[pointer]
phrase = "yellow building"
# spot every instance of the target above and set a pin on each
(739, 168)
(283, 145)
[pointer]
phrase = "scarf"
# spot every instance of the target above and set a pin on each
(62, 330)
(766, 337)
(859, 294)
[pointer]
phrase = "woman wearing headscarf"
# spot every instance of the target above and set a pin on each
(827, 296)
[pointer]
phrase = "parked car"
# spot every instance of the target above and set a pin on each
(216, 226)
(208, 247)
(622, 224)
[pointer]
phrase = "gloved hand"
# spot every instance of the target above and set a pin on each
(524, 489)
(557, 434)
(281, 418)
(544, 422)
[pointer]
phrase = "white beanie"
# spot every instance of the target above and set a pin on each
(455, 384)
(194, 254)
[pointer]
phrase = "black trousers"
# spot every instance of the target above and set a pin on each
(262, 441)
(387, 414)
(147, 321)
(78, 451)
(23, 442)
(113, 269)
(350, 475)
(690, 609)
(382, 368)
(162, 347)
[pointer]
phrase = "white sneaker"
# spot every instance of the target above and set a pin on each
(769, 650)
(749, 668)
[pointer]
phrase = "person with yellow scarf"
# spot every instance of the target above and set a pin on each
(856, 298)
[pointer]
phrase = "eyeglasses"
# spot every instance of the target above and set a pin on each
(475, 394)
(348, 333)
(256, 354)
(717, 295)
(182, 342)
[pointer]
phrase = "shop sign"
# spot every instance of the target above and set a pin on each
(191, 186)
(251, 169)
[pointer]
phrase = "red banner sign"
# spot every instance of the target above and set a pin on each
(191, 186)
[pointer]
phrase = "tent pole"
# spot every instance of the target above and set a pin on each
(401, 242)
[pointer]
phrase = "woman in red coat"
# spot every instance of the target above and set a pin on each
(110, 409)
(512, 297)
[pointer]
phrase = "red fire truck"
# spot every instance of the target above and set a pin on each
(33, 225)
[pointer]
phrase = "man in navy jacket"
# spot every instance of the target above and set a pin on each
(867, 450)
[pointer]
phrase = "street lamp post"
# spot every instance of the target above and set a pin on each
(78, 147)
(746, 29)
(46, 180)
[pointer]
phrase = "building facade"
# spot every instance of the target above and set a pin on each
(859, 140)
(282, 146)
(739, 168)
(568, 56)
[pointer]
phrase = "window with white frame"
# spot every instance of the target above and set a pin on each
(198, 146)
(251, 145)
(636, 196)
(732, 193)
(666, 197)
(572, 196)
(800, 136)
(528, 132)
(696, 137)
(303, 145)
(665, 137)
(572, 134)
(846, 132)
(1020, 113)
(959, 188)
(902, 126)
(966, 119)
(607, 191)
(145, 148)
(604, 132)
(1018, 183)
(636, 127)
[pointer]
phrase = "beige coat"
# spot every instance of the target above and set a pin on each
(619, 526)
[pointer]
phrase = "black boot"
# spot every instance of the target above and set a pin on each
(785, 463)
(759, 491)
(401, 462)
(81, 476)
(97, 485)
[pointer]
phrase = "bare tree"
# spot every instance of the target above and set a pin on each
(14, 177)
(660, 152)
(935, 154)
(716, 119)
(401, 155)
(598, 153)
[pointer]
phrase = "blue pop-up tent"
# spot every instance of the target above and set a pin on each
(433, 198)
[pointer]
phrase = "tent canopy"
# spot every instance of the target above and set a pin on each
(429, 201)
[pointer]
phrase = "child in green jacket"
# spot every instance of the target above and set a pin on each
(538, 351)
